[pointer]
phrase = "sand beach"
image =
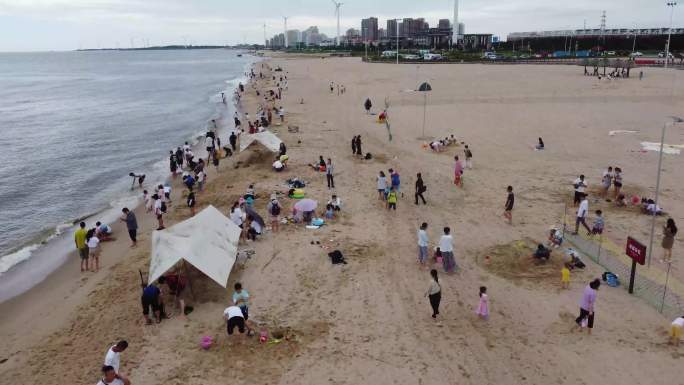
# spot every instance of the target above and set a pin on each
(368, 321)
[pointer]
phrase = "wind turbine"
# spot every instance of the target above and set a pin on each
(337, 12)
(285, 32)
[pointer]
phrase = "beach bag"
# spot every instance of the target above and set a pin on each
(368, 156)
(336, 257)
(163, 207)
(611, 279)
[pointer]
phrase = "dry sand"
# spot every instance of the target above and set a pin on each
(368, 321)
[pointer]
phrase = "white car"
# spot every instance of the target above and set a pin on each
(610, 53)
(669, 55)
(636, 54)
(489, 55)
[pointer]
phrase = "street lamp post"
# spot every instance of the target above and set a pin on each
(675, 119)
(636, 30)
(424, 88)
(671, 4)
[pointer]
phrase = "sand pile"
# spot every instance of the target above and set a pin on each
(514, 262)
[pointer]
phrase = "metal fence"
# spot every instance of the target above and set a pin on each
(653, 285)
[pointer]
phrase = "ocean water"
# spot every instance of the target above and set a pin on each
(74, 124)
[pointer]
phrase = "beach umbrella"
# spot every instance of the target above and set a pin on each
(252, 213)
(424, 88)
(305, 205)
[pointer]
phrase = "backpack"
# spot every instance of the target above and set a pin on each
(275, 209)
(336, 257)
(163, 207)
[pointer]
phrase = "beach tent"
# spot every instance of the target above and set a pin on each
(267, 138)
(208, 241)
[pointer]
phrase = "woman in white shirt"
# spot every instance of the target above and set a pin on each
(94, 250)
(434, 293)
(446, 246)
(382, 186)
(236, 216)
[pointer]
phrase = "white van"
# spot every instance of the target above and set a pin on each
(432, 56)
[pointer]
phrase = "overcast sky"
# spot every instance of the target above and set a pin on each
(31, 25)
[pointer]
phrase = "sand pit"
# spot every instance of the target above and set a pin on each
(514, 261)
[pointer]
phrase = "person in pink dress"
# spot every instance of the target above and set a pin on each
(483, 307)
(458, 172)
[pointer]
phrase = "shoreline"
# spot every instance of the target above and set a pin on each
(371, 314)
(34, 261)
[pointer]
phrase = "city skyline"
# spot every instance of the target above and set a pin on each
(72, 24)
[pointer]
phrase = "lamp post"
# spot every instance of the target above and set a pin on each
(675, 119)
(671, 4)
(636, 30)
(424, 88)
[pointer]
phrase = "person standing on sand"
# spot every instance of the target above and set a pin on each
(179, 158)
(131, 225)
(508, 208)
(273, 208)
(81, 245)
(382, 185)
(358, 146)
(458, 172)
(420, 188)
(446, 247)
(94, 251)
(606, 181)
(468, 157)
(434, 293)
(368, 105)
(617, 181)
(233, 141)
(329, 174)
(173, 164)
(395, 181)
(580, 186)
(482, 310)
(113, 356)
(158, 211)
(669, 232)
(353, 144)
(241, 300)
(392, 199)
(587, 306)
(582, 213)
(423, 244)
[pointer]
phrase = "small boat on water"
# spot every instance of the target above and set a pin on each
(239, 55)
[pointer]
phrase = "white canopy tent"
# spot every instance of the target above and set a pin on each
(207, 241)
(267, 138)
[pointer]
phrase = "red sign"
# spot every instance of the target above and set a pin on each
(636, 250)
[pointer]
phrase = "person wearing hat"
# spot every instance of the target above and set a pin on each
(587, 305)
(273, 207)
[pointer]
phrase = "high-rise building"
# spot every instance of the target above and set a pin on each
(456, 37)
(392, 28)
(444, 24)
(293, 37)
(382, 34)
(461, 29)
(369, 29)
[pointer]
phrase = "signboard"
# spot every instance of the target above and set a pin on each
(636, 251)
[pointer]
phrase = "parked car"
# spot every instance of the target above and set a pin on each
(636, 54)
(610, 53)
(409, 57)
(489, 55)
(432, 57)
(669, 55)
